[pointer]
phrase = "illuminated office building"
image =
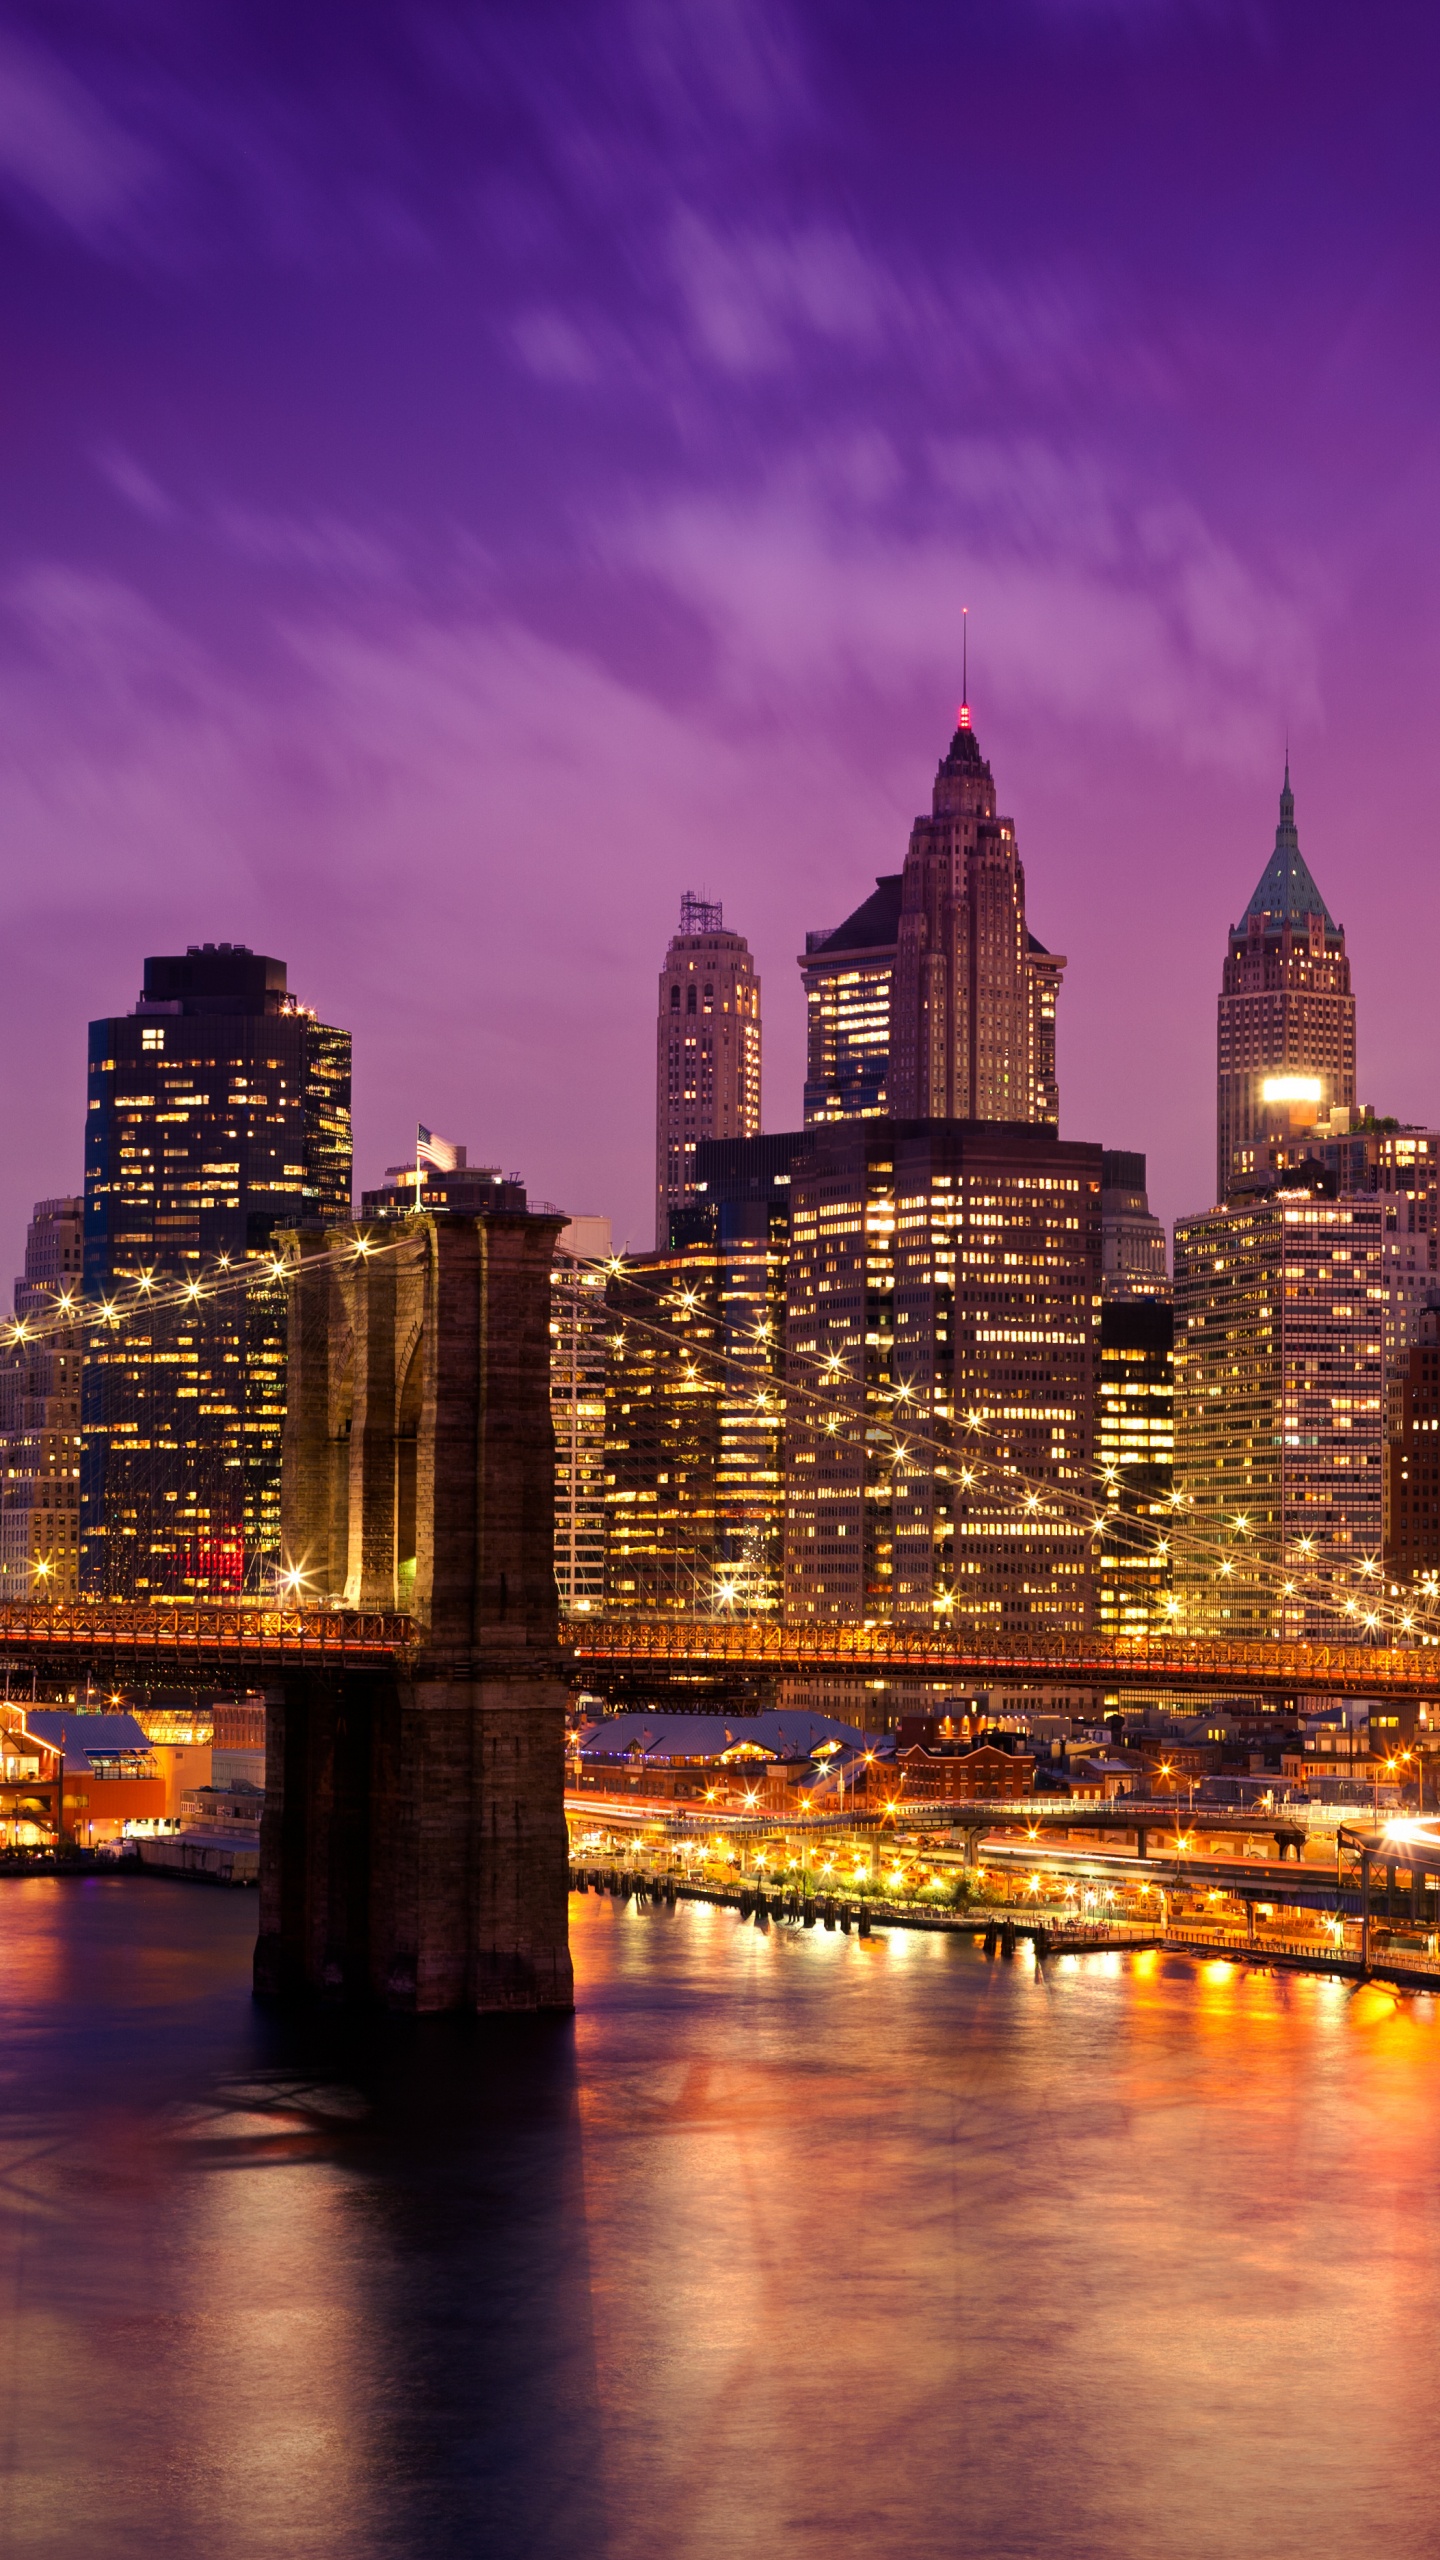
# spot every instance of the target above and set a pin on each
(846, 975)
(1403, 1169)
(1356, 1152)
(1135, 1452)
(694, 1426)
(707, 1063)
(972, 1008)
(579, 1356)
(1401, 1166)
(40, 1419)
(942, 1326)
(1286, 1033)
(1279, 1412)
(219, 1113)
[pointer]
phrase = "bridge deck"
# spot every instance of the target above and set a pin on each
(681, 1648)
(129, 1636)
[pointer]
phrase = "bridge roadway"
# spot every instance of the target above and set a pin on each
(693, 1653)
(687, 1651)
(133, 1640)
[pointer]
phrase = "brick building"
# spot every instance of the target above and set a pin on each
(959, 1772)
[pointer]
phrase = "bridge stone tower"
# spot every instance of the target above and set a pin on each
(413, 1847)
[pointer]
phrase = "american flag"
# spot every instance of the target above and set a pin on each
(432, 1150)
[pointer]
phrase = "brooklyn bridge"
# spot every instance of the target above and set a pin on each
(413, 1844)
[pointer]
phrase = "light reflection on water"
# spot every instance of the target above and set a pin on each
(791, 2241)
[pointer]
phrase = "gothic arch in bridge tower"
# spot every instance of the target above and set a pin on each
(409, 1409)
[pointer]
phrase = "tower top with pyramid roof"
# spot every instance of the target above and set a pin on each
(1286, 893)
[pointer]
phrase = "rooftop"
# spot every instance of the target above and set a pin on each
(779, 1736)
(873, 926)
(1286, 892)
(78, 1730)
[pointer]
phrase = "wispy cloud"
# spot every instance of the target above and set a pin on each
(1143, 618)
(562, 347)
(422, 781)
(323, 545)
(749, 296)
(138, 487)
(63, 154)
(736, 63)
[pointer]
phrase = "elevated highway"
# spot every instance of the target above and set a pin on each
(1134, 1818)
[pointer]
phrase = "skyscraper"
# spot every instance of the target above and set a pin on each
(972, 1007)
(219, 1112)
(40, 1420)
(1402, 1163)
(707, 1065)
(695, 1422)
(1135, 1450)
(1412, 1462)
(579, 1362)
(847, 978)
(943, 1308)
(1286, 1036)
(1279, 1424)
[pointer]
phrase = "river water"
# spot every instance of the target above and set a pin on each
(788, 2243)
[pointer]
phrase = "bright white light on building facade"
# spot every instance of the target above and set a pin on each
(1291, 1089)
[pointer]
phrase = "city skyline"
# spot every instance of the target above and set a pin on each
(1160, 1177)
(581, 525)
(713, 599)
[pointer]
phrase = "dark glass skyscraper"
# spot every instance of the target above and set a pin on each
(219, 1112)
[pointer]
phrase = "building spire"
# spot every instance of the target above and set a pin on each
(963, 721)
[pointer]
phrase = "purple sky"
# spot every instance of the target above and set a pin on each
(472, 474)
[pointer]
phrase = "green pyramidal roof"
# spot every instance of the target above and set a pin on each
(1287, 890)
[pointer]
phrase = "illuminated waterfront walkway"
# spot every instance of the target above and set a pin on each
(1345, 1907)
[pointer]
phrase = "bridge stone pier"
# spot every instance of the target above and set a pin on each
(413, 1848)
